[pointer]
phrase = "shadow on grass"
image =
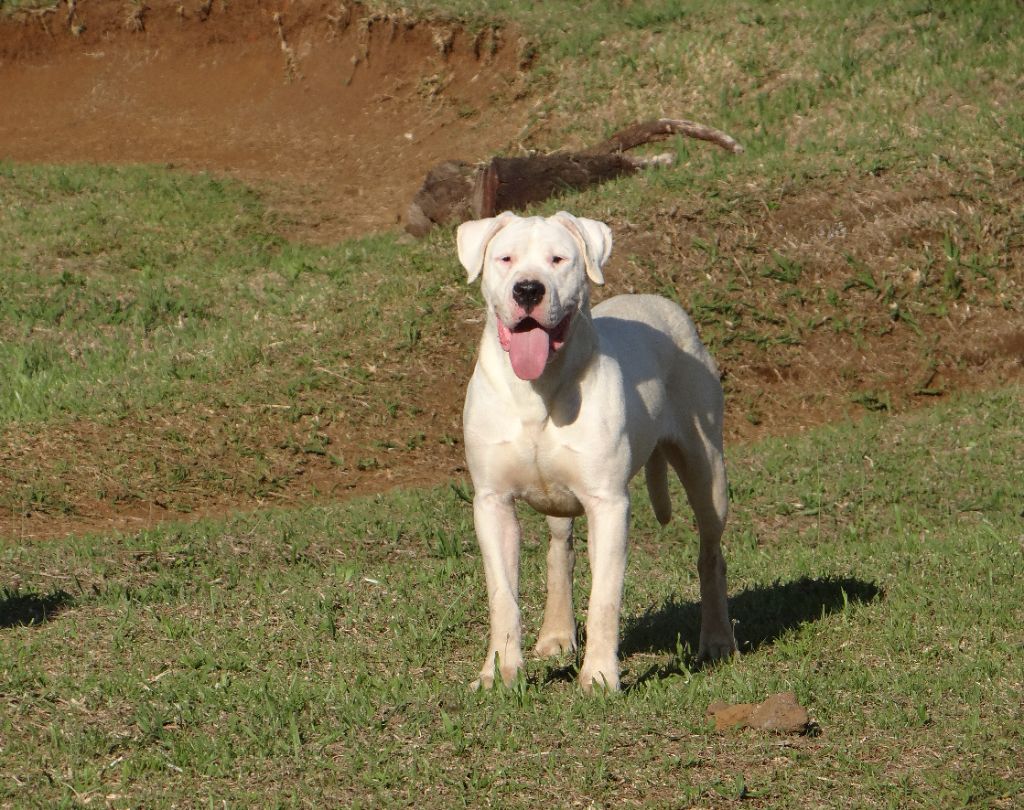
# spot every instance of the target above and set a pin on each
(19, 609)
(762, 615)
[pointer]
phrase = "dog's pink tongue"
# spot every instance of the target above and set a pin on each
(528, 352)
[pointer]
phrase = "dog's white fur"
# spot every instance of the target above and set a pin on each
(631, 386)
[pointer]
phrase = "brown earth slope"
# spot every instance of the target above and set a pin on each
(332, 114)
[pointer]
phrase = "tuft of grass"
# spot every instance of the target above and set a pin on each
(122, 290)
(320, 655)
(11, 7)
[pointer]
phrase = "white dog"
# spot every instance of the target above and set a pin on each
(563, 409)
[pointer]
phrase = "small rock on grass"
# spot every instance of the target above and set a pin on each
(780, 713)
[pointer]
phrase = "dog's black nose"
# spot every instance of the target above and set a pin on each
(527, 293)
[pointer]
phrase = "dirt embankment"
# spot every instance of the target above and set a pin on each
(333, 113)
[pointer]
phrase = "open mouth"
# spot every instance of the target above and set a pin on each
(531, 346)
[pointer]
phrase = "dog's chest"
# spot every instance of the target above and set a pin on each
(542, 470)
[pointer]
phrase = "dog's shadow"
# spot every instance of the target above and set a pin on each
(19, 609)
(762, 614)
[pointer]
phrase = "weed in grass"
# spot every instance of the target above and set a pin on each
(783, 269)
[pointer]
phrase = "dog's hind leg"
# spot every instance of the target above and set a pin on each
(702, 471)
(558, 633)
(656, 476)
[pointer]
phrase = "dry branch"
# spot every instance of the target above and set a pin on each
(455, 191)
(658, 130)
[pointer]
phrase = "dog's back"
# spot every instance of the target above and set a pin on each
(661, 356)
(652, 336)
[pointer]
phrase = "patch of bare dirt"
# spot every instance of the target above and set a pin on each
(332, 113)
(878, 318)
(141, 471)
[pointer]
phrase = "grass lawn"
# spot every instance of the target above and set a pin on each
(320, 656)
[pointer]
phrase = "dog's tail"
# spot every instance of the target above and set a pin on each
(656, 473)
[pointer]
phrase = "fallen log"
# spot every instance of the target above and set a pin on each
(455, 191)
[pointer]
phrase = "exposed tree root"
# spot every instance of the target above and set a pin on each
(455, 191)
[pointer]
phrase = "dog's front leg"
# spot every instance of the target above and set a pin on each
(608, 525)
(498, 533)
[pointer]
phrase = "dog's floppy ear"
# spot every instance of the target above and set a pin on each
(594, 238)
(472, 239)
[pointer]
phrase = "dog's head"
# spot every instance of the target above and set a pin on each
(535, 273)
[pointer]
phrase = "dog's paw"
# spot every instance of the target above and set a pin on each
(555, 644)
(599, 679)
(501, 673)
(483, 682)
(717, 648)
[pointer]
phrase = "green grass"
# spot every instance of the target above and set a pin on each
(320, 656)
(160, 310)
(121, 290)
(13, 6)
(818, 80)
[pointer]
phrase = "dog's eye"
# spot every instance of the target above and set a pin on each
(505, 259)
(557, 259)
